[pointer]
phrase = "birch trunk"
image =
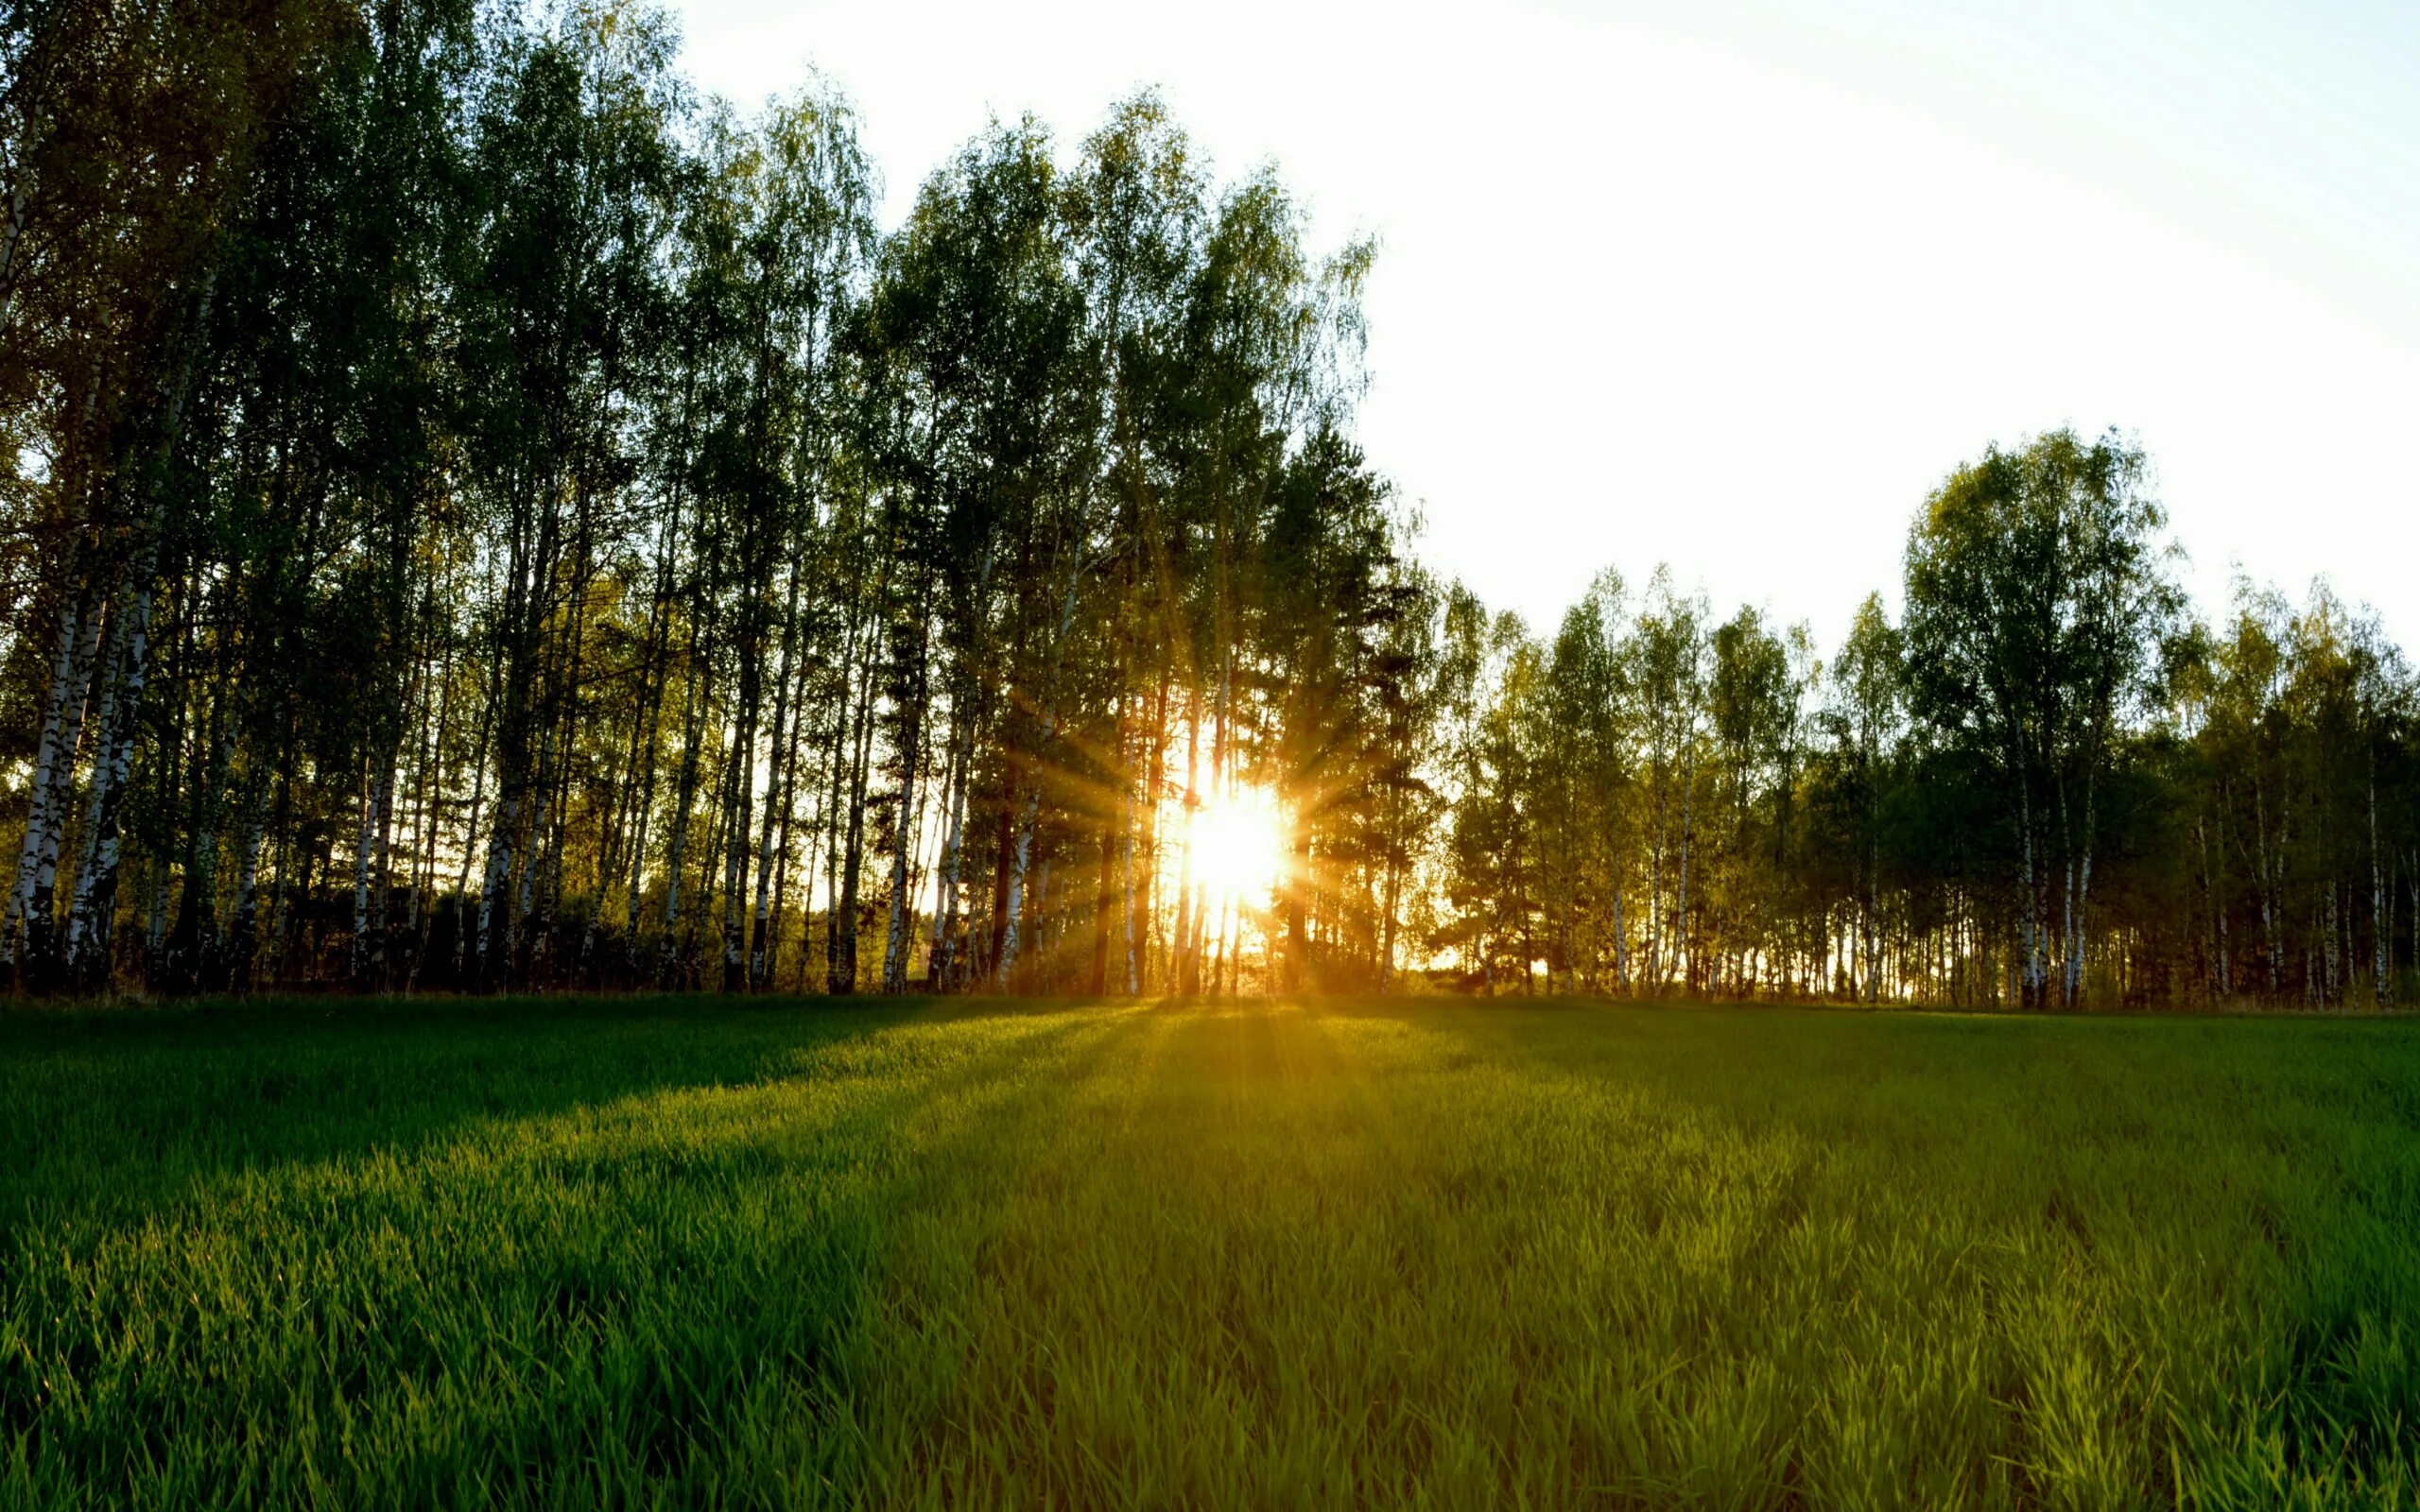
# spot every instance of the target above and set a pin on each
(32, 905)
(740, 795)
(1682, 939)
(684, 794)
(2268, 892)
(899, 939)
(94, 909)
(377, 791)
(844, 968)
(243, 932)
(2381, 932)
(95, 914)
(777, 755)
(943, 972)
(2029, 925)
(1180, 951)
(1030, 802)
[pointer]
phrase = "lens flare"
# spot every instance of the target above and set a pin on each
(1238, 847)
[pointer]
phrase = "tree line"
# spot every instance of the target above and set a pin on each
(2048, 785)
(486, 517)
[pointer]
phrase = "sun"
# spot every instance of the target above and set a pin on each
(1240, 846)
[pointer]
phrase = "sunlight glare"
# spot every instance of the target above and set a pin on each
(1239, 847)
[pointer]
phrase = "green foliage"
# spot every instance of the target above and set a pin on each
(539, 533)
(481, 515)
(2046, 788)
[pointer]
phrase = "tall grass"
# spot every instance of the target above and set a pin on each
(805, 1254)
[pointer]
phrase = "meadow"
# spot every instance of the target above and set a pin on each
(713, 1253)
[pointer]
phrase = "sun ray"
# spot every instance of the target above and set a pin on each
(1239, 847)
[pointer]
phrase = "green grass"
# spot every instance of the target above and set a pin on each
(799, 1254)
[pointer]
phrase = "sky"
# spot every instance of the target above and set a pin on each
(1732, 285)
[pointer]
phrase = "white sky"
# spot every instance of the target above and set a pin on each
(1733, 284)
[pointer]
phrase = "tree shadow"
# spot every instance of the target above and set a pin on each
(114, 1113)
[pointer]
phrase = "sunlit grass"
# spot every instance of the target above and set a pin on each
(986, 1254)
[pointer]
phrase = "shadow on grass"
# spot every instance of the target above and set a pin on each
(741, 1247)
(114, 1112)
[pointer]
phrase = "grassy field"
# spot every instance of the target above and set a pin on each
(803, 1254)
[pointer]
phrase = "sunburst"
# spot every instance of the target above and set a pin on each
(1238, 847)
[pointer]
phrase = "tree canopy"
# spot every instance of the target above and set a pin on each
(485, 517)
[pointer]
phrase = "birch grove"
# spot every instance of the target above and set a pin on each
(485, 517)
(495, 520)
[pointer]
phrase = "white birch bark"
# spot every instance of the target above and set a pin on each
(30, 900)
(899, 941)
(96, 901)
(2381, 932)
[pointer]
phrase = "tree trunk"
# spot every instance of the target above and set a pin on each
(33, 901)
(370, 878)
(1011, 938)
(95, 908)
(844, 968)
(2381, 932)
(900, 939)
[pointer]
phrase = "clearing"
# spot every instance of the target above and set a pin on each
(796, 1253)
